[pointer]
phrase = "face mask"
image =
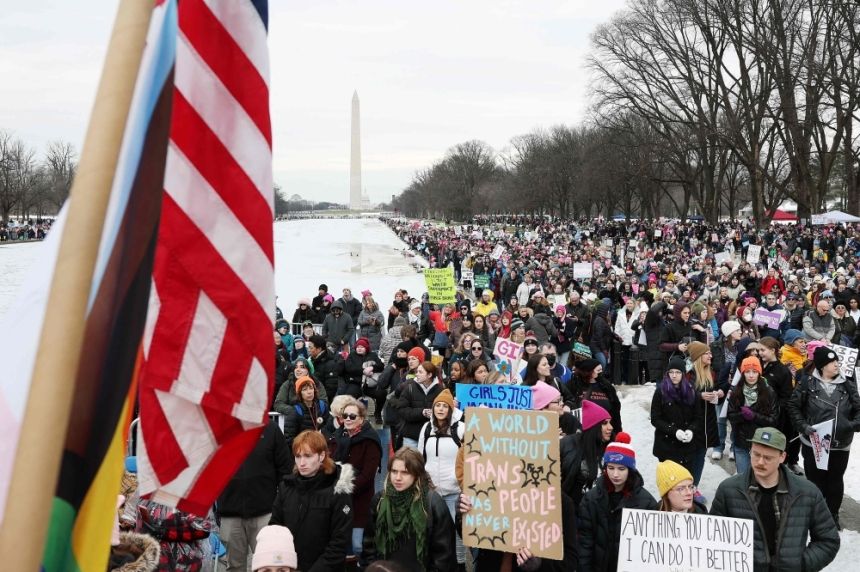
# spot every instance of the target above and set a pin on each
(550, 359)
(747, 318)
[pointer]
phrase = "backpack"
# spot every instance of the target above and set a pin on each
(321, 404)
(453, 435)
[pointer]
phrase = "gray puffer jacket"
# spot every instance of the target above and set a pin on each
(807, 539)
(542, 326)
(810, 404)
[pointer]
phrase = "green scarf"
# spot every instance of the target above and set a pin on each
(401, 516)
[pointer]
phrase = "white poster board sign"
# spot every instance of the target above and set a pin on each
(657, 541)
(754, 253)
(821, 440)
(497, 252)
(467, 276)
(847, 359)
(722, 257)
(582, 271)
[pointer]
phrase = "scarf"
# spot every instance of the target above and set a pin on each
(750, 394)
(401, 516)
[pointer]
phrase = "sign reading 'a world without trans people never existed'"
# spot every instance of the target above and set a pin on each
(513, 478)
(656, 541)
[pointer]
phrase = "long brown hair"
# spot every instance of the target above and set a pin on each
(414, 462)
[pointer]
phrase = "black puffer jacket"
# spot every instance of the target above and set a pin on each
(653, 327)
(441, 538)
(318, 511)
(670, 417)
(252, 489)
(353, 371)
(328, 369)
(810, 405)
(676, 332)
(411, 403)
(807, 537)
(600, 524)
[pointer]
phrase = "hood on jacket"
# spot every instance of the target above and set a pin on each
(143, 548)
(676, 310)
(337, 304)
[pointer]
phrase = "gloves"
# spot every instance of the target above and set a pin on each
(681, 435)
(747, 413)
(809, 430)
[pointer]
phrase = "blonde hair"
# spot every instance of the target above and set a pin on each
(704, 375)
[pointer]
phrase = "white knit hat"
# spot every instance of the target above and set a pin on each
(274, 548)
(729, 327)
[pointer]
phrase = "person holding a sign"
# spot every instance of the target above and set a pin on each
(793, 528)
(619, 486)
(409, 522)
(752, 404)
(821, 395)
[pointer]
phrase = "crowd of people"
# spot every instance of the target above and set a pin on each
(365, 467)
(28, 230)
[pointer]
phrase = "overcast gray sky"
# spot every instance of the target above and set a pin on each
(429, 75)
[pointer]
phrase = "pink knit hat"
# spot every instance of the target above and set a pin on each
(593, 414)
(812, 346)
(543, 394)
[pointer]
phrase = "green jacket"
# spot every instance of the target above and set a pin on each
(807, 539)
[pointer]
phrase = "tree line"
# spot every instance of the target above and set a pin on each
(697, 106)
(32, 188)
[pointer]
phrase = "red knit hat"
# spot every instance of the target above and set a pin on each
(418, 353)
(620, 452)
(363, 342)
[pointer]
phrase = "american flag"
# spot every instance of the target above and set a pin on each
(205, 378)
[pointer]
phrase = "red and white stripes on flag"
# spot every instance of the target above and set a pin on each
(205, 379)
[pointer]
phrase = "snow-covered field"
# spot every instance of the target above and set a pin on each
(364, 254)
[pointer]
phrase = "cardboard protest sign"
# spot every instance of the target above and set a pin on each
(513, 478)
(766, 318)
(497, 252)
(467, 276)
(754, 253)
(722, 257)
(653, 541)
(820, 441)
(847, 359)
(441, 285)
(494, 396)
(582, 271)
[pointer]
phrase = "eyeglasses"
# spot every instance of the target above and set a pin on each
(681, 489)
(350, 416)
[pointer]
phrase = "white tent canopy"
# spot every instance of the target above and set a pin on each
(834, 217)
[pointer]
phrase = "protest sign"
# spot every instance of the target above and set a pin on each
(607, 242)
(440, 285)
(556, 300)
(658, 233)
(467, 276)
(482, 280)
(653, 541)
(508, 354)
(754, 253)
(497, 252)
(582, 270)
(494, 396)
(722, 257)
(767, 319)
(513, 478)
(784, 267)
(633, 243)
(847, 359)
(820, 441)
(458, 230)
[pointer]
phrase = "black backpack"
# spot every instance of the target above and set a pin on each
(452, 435)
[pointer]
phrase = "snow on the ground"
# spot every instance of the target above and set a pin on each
(15, 259)
(362, 254)
(635, 416)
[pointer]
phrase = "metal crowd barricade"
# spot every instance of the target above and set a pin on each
(296, 329)
(277, 418)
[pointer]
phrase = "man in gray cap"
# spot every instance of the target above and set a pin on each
(793, 528)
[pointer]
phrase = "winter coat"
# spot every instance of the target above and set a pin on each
(413, 400)
(600, 525)
(389, 343)
(441, 539)
(370, 324)
(766, 409)
(425, 328)
(807, 538)
(363, 451)
(491, 560)
(542, 326)
(601, 392)
(328, 369)
(675, 333)
(440, 453)
(669, 417)
(391, 383)
(351, 307)
(318, 511)
(483, 308)
(708, 435)
(251, 491)
(353, 371)
(183, 537)
(574, 478)
(565, 331)
(846, 327)
(653, 327)
(817, 327)
(134, 553)
(288, 396)
(624, 325)
(810, 405)
(300, 418)
(601, 332)
(338, 331)
(581, 316)
(781, 381)
(300, 317)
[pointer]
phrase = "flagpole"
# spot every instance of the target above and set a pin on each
(43, 429)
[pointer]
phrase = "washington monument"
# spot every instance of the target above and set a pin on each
(355, 202)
